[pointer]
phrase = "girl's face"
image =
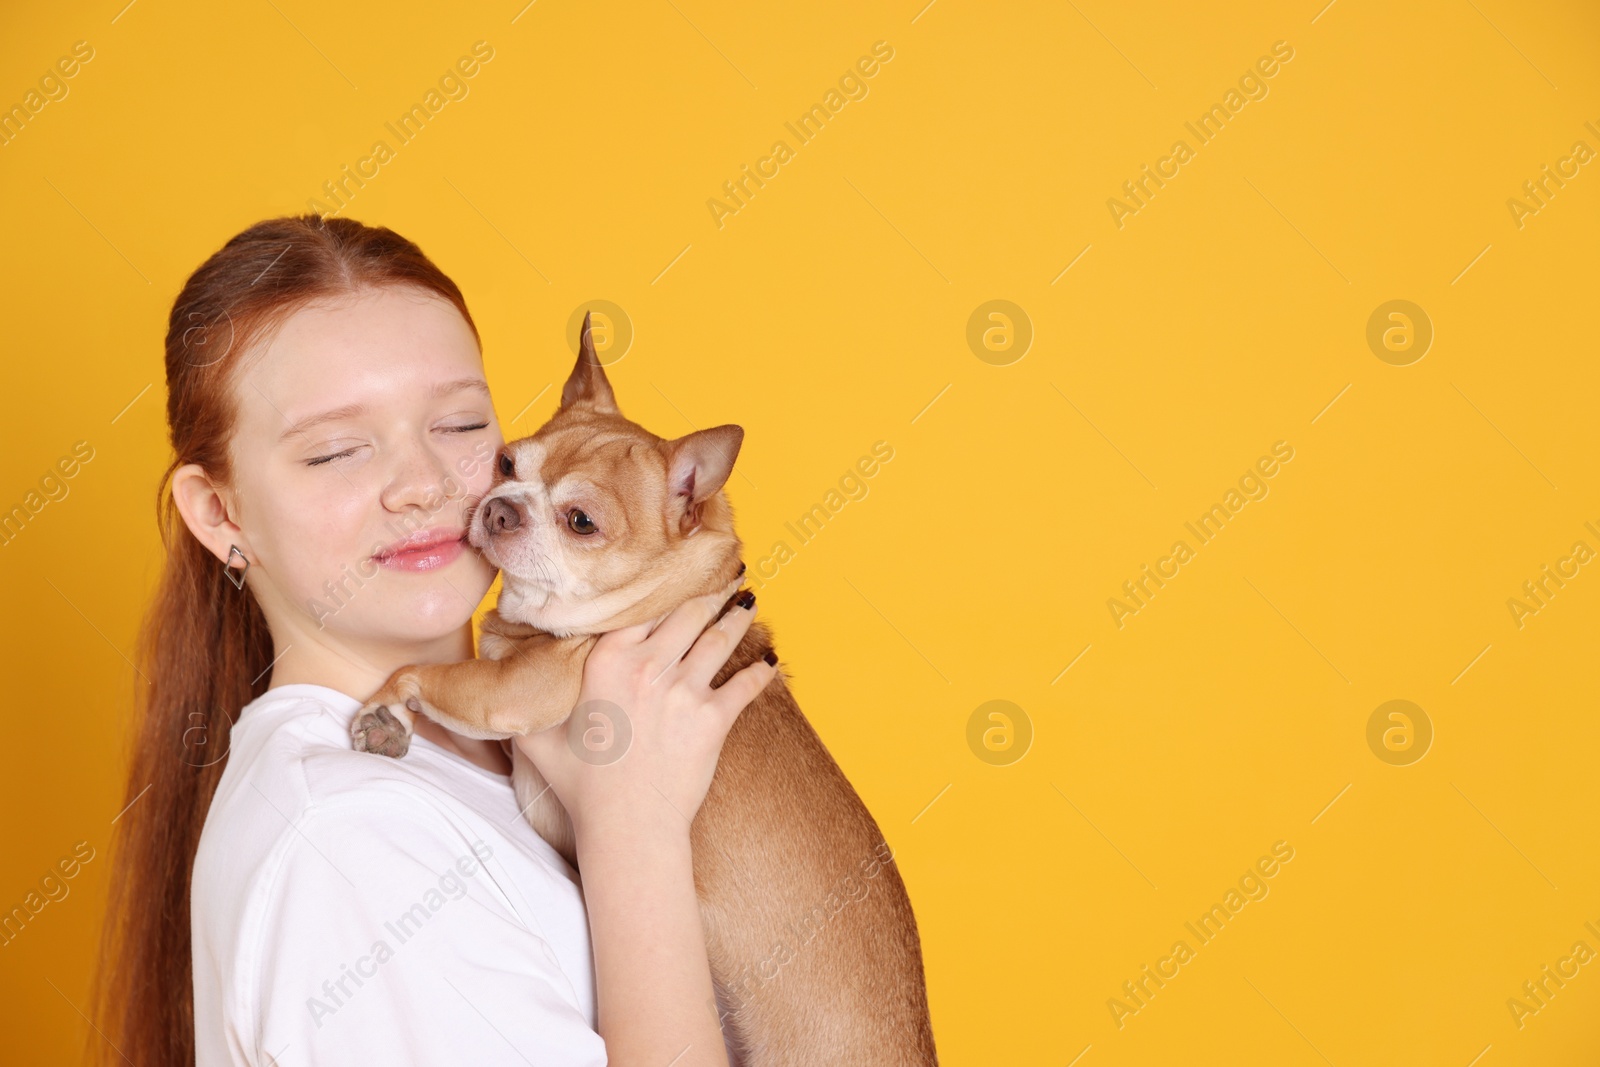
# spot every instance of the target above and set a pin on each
(365, 432)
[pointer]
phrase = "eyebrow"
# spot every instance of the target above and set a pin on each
(350, 411)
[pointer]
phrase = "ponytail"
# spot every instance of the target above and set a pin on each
(204, 647)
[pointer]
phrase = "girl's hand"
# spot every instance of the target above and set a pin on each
(640, 748)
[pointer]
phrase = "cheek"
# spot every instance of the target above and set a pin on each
(320, 538)
(474, 466)
(477, 477)
(315, 540)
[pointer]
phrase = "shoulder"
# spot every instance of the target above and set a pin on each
(294, 745)
(293, 785)
(313, 855)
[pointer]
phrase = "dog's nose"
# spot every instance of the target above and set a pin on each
(500, 516)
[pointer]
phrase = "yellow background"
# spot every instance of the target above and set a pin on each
(829, 313)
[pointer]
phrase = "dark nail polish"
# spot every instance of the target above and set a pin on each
(741, 567)
(771, 657)
(747, 599)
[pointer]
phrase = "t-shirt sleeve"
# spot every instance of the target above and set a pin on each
(387, 940)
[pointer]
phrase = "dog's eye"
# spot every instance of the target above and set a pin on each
(508, 467)
(580, 522)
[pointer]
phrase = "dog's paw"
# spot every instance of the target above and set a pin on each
(382, 727)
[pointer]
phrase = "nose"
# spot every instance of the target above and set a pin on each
(500, 516)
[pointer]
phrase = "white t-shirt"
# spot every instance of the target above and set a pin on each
(350, 908)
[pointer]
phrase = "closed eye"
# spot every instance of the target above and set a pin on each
(351, 451)
(326, 459)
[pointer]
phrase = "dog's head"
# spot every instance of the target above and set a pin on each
(596, 523)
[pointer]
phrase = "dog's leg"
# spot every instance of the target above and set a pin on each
(530, 688)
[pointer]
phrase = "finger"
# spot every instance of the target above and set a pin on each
(733, 696)
(630, 635)
(712, 648)
(672, 638)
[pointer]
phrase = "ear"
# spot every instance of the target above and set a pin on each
(587, 385)
(697, 466)
(204, 509)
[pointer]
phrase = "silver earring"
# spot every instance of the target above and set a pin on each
(227, 566)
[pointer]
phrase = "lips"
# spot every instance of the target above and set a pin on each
(424, 550)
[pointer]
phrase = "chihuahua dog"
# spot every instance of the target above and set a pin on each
(596, 524)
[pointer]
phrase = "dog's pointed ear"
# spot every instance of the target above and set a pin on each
(697, 466)
(587, 385)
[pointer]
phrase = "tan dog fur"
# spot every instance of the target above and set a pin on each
(780, 829)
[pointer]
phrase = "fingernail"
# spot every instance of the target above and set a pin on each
(741, 567)
(771, 657)
(747, 599)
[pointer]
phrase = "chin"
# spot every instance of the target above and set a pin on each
(429, 615)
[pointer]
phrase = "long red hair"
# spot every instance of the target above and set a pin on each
(204, 644)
